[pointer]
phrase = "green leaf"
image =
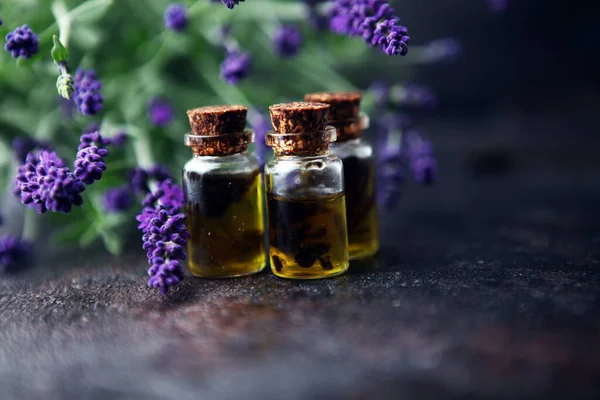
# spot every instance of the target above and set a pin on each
(90, 10)
(113, 243)
(89, 236)
(59, 53)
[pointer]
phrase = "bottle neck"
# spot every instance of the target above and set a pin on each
(303, 157)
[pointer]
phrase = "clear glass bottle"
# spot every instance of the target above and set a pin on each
(359, 170)
(305, 195)
(223, 196)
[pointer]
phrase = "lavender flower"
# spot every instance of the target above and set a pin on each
(231, 3)
(164, 235)
(21, 42)
(89, 164)
(374, 20)
(260, 125)
(443, 50)
(117, 199)
(235, 67)
(391, 159)
(420, 154)
(12, 250)
(44, 183)
(176, 17)
(87, 95)
(287, 41)
(159, 111)
(413, 95)
(24, 145)
(159, 172)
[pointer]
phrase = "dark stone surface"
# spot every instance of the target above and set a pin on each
(487, 286)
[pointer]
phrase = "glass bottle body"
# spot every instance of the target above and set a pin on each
(306, 216)
(223, 205)
(361, 207)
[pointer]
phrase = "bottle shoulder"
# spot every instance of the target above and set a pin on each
(238, 163)
(353, 148)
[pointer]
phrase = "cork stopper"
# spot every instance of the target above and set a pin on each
(344, 112)
(301, 128)
(218, 130)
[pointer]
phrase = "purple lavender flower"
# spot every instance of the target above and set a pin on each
(164, 235)
(374, 20)
(24, 145)
(420, 154)
(176, 18)
(235, 67)
(260, 125)
(44, 183)
(414, 95)
(231, 3)
(287, 41)
(21, 42)
(12, 251)
(87, 95)
(159, 111)
(117, 199)
(391, 158)
(89, 164)
(443, 50)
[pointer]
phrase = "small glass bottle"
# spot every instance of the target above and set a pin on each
(359, 170)
(223, 195)
(305, 195)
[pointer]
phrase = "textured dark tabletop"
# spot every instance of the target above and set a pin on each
(487, 286)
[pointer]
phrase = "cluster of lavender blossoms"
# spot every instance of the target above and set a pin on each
(44, 182)
(401, 148)
(287, 41)
(231, 3)
(176, 18)
(12, 251)
(373, 20)
(87, 95)
(22, 43)
(160, 111)
(236, 66)
(164, 235)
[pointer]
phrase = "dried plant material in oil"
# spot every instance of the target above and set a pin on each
(225, 220)
(361, 211)
(307, 236)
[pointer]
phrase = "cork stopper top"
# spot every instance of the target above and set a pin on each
(300, 128)
(299, 117)
(343, 105)
(217, 120)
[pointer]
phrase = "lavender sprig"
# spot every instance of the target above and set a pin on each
(160, 111)
(44, 183)
(420, 154)
(23, 145)
(373, 20)
(117, 199)
(164, 235)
